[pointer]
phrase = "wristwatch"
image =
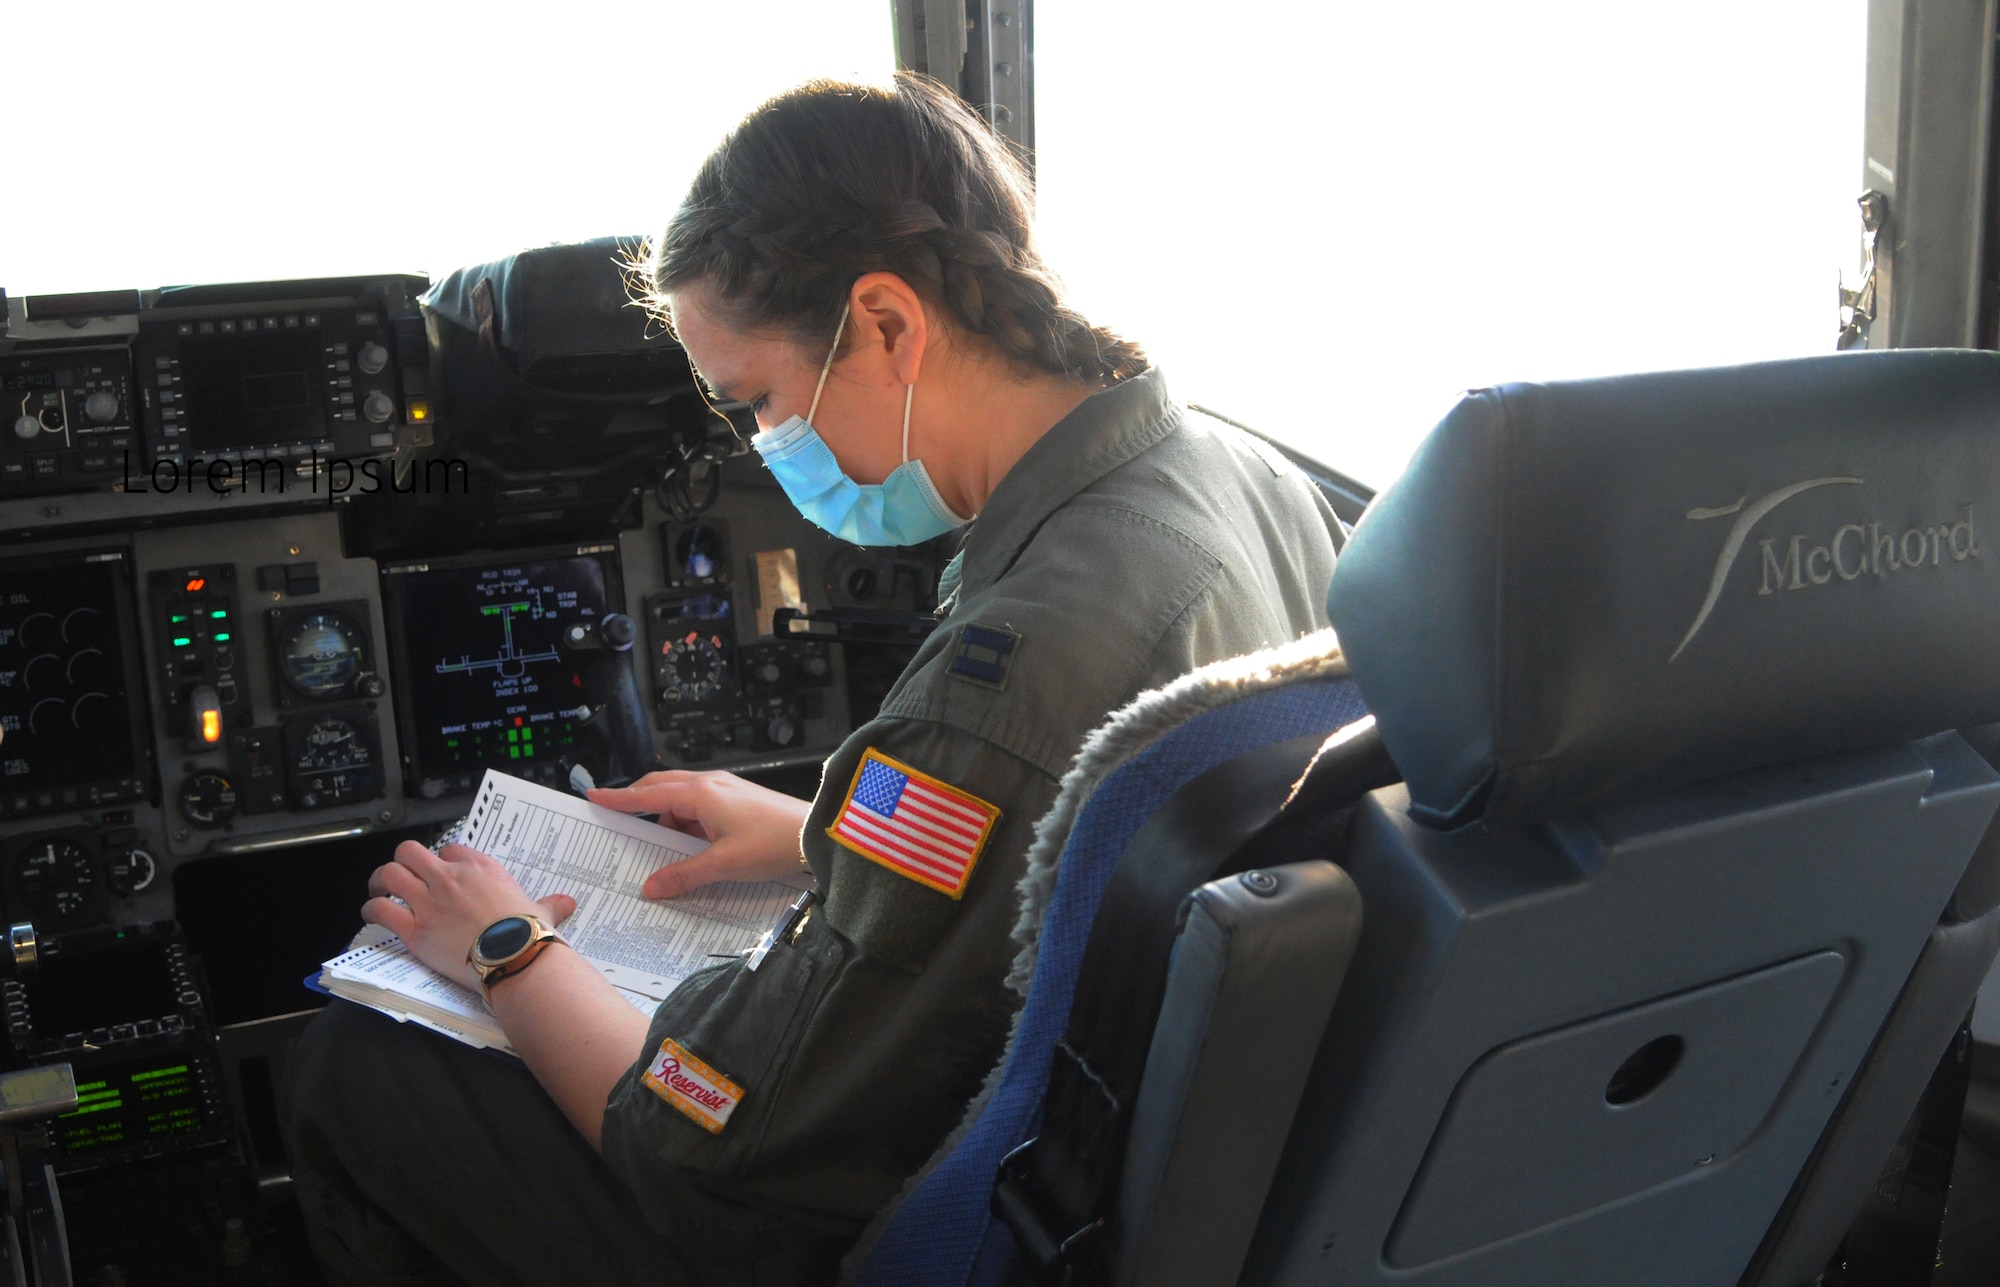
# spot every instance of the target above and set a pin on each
(509, 946)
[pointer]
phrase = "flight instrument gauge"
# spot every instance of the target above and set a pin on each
(207, 799)
(56, 881)
(692, 668)
(331, 759)
(320, 654)
(332, 743)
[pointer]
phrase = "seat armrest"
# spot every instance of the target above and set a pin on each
(1254, 976)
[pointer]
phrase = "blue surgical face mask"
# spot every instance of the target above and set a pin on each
(903, 509)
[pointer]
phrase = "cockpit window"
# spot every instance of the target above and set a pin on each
(1326, 220)
(1323, 220)
(214, 142)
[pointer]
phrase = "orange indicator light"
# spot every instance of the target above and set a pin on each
(211, 726)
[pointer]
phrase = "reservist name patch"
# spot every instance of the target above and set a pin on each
(985, 655)
(692, 1086)
(913, 824)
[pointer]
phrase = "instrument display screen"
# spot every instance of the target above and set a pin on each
(139, 1102)
(261, 389)
(70, 716)
(484, 683)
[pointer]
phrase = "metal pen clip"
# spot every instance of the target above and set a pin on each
(787, 927)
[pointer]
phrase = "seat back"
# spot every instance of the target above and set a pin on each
(1603, 1052)
(1668, 663)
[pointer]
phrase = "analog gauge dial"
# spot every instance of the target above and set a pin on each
(332, 743)
(693, 668)
(57, 879)
(331, 761)
(132, 871)
(320, 654)
(208, 799)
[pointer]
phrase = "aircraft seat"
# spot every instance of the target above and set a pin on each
(1677, 909)
(1668, 922)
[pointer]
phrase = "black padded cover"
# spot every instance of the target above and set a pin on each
(1582, 590)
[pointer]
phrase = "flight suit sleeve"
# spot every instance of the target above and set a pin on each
(852, 1049)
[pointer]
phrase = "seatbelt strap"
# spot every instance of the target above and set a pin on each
(1055, 1191)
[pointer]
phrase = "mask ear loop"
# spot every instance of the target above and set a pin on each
(909, 396)
(820, 388)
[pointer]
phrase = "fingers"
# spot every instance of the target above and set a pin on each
(418, 858)
(678, 878)
(680, 792)
(394, 917)
(394, 880)
(560, 907)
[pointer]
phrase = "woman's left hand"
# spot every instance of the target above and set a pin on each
(447, 899)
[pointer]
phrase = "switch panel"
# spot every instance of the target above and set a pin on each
(195, 624)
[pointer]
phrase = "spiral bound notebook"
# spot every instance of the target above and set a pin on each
(555, 843)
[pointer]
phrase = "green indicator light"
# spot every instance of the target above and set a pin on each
(527, 735)
(528, 751)
(513, 752)
(177, 618)
(182, 641)
(220, 613)
(157, 1073)
(513, 735)
(222, 636)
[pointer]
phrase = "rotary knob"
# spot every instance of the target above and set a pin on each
(768, 672)
(371, 358)
(27, 427)
(101, 407)
(378, 407)
(782, 731)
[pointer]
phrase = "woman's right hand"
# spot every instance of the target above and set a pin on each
(753, 831)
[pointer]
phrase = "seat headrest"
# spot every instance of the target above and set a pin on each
(1583, 590)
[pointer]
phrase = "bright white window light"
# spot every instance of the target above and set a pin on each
(1323, 218)
(1327, 219)
(208, 141)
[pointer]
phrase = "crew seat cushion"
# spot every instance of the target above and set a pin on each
(1582, 590)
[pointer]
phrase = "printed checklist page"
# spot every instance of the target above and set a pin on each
(556, 843)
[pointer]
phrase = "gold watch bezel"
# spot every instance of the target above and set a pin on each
(490, 970)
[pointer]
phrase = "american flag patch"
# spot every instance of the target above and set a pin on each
(913, 824)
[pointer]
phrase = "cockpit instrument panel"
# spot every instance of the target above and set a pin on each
(476, 647)
(67, 420)
(70, 729)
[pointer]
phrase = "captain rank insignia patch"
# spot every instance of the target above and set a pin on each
(985, 655)
(913, 824)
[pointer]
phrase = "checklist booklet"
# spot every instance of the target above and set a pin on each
(556, 843)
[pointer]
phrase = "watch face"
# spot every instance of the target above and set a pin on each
(503, 938)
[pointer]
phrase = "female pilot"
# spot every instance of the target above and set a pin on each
(857, 264)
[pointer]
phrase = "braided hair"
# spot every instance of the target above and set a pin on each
(832, 180)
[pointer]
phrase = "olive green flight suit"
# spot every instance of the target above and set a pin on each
(1131, 544)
